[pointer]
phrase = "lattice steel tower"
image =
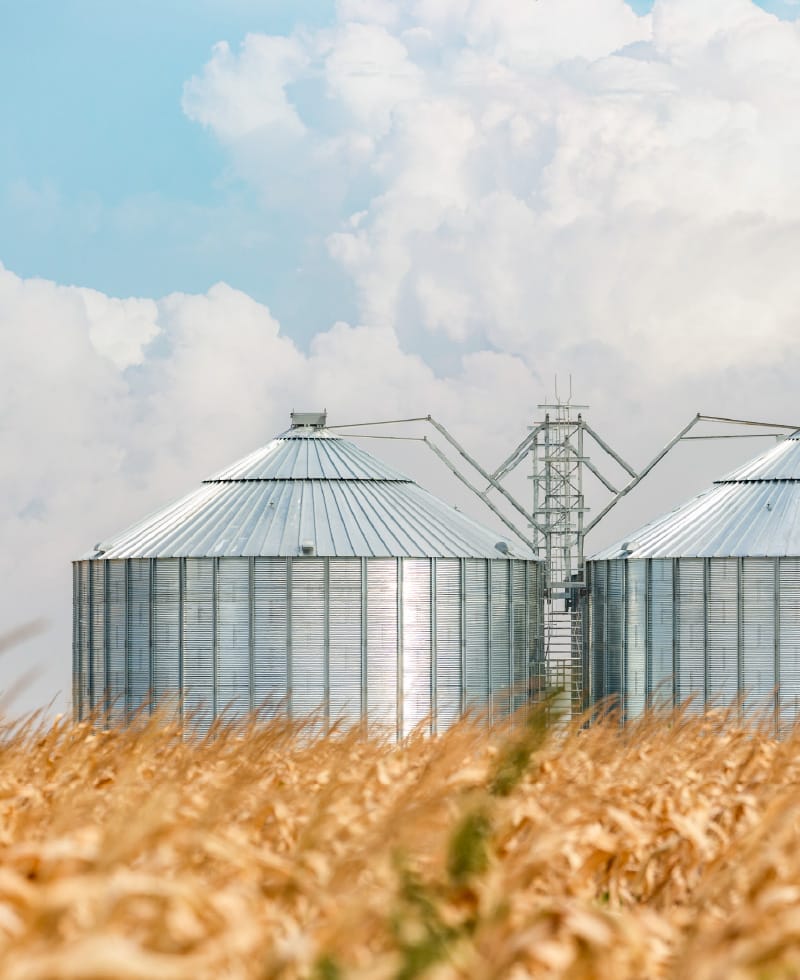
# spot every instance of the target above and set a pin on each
(557, 454)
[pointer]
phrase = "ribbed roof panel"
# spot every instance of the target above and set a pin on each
(308, 486)
(341, 518)
(318, 455)
(752, 512)
(782, 462)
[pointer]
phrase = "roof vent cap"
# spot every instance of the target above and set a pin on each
(309, 420)
(502, 547)
(307, 547)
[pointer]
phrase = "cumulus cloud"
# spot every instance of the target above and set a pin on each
(240, 94)
(111, 408)
(548, 176)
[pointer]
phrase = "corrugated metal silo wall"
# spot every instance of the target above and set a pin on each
(716, 630)
(389, 640)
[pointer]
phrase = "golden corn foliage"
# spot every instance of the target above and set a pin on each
(669, 849)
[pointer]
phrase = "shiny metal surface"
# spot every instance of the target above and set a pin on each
(309, 578)
(309, 454)
(387, 641)
(720, 631)
(308, 487)
(754, 511)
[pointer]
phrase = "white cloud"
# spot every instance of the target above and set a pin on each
(238, 95)
(548, 175)
(111, 408)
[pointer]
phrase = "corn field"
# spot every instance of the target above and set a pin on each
(264, 850)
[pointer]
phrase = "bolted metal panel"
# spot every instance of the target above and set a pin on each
(308, 691)
(139, 681)
(758, 634)
(521, 654)
(597, 614)
(198, 640)
(165, 639)
(500, 671)
(660, 632)
(691, 625)
(448, 642)
(476, 633)
(270, 620)
(615, 633)
(233, 636)
(344, 630)
(722, 632)
(725, 627)
(343, 635)
(116, 592)
(97, 671)
(382, 643)
(76, 650)
(635, 639)
(789, 638)
(83, 633)
(416, 659)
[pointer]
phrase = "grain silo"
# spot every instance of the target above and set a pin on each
(312, 575)
(705, 601)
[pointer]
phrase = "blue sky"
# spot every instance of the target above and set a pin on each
(104, 182)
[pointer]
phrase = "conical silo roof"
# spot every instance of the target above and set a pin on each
(752, 512)
(309, 491)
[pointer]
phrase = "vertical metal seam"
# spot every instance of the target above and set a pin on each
(126, 694)
(526, 653)
(648, 666)
(510, 603)
(623, 628)
(181, 602)
(489, 645)
(777, 642)
(606, 577)
(462, 570)
(76, 651)
(399, 715)
(706, 588)
(214, 628)
(289, 649)
(675, 654)
(90, 634)
(326, 642)
(151, 635)
(106, 647)
(434, 620)
(251, 628)
(364, 712)
(740, 638)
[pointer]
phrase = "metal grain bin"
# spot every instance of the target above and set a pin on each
(705, 601)
(311, 576)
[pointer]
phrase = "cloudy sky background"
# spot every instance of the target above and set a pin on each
(212, 212)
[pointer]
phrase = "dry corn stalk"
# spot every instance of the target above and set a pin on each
(669, 849)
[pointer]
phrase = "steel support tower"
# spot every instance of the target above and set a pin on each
(557, 454)
(555, 525)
